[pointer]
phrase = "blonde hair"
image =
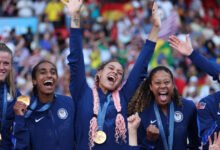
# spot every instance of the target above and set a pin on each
(10, 78)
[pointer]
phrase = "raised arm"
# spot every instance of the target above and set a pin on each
(156, 24)
(199, 60)
(140, 68)
(74, 7)
(75, 58)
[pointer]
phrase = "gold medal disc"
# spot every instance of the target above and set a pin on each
(100, 137)
(24, 99)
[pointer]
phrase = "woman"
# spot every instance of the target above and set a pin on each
(166, 119)
(48, 122)
(100, 112)
(8, 94)
(208, 107)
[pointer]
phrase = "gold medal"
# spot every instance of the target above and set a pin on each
(24, 99)
(100, 137)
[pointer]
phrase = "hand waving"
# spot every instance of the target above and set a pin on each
(73, 6)
(156, 16)
(184, 48)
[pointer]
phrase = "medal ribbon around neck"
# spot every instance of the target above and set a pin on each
(4, 106)
(33, 107)
(100, 134)
(120, 128)
(167, 145)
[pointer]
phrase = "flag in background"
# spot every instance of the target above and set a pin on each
(162, 50)
(115, 11)
(169, 25)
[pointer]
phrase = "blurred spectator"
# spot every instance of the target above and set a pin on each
(24, 8)
(191, 90)
(39, 6)
(126, 32)
(206, 89)
(54, 12)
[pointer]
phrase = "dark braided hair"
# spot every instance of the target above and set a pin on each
(143, 95)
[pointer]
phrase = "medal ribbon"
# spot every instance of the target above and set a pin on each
(33, 107)
(102, 113)
(4, 106)
(161, 129)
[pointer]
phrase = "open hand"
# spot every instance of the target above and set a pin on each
(156, 21)
(184, 48)
(73, 6)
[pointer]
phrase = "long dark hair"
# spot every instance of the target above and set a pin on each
(34, 73)
(143, 95)
(10, 78)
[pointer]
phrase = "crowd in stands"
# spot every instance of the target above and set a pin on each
(114, 34)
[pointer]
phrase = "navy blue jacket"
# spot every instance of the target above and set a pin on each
(6, 132)
(83, 97)
(185, 126)
(204, 64)
(52, 129)
(208, 106)
(209, 116)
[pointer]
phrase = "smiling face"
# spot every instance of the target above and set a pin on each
(5, 65)
(45, 79)
(110, 77)
(162, 87)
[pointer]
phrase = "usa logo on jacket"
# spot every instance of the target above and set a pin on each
(62, 113)
(178, 116)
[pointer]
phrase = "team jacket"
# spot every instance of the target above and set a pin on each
(52, 129)
(208, 106)
(204, 64)
(209, 116)
(83, 97)
(185, 126)
(6, 131)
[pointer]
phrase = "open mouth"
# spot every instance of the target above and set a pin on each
(163, 96)
(48, 83)
(111, 78)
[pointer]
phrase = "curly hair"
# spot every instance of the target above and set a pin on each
(143, 95)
